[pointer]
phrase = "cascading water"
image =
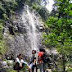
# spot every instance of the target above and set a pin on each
(33, 35)
(31, 29)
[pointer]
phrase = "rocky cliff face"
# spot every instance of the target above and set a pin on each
(24, 34)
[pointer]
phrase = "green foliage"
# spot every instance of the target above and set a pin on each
(60, 31)
(60, 26)
(50, 40)
(69, 70)
(64, 8)
(25, 69)
(11, 70)
(2, 42)
(7, 7)
(43, 13)
(1, 29)
(36, 6)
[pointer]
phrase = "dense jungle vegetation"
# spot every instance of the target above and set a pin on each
(60, 35)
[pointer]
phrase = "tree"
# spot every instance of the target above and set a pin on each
(60, 26)
(43, 13)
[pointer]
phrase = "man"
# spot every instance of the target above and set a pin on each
(40, 59)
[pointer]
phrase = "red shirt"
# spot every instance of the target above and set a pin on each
(40, 54)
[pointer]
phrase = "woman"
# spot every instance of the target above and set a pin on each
(33, 61)
(19, 63)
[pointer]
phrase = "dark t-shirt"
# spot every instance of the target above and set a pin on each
(32, 59)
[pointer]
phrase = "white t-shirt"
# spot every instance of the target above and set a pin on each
(21, 61)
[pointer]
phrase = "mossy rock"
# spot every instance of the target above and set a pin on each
(13, 71)
(69, 70)
(10, 70)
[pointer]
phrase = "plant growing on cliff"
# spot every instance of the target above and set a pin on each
(2, 41)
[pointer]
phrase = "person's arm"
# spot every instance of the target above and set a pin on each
(24, 62)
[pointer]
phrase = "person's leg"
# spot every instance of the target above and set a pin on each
(41, 68)
(36, 68)
(18, 71)
(44, 67)
(32, 68)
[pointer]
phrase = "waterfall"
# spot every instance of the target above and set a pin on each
(31, 23)
(27, 28)
(31, 29)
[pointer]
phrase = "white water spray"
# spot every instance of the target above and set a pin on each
(32, 30)
(31, 22)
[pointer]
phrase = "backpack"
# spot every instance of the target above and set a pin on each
(46, 58)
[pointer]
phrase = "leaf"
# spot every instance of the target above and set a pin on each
(70, 12)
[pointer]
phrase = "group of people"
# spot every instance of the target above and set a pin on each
(36, 62)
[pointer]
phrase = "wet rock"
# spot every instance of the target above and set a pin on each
(4, 64)
(11, 31)
(48, 70)
(2, 70)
